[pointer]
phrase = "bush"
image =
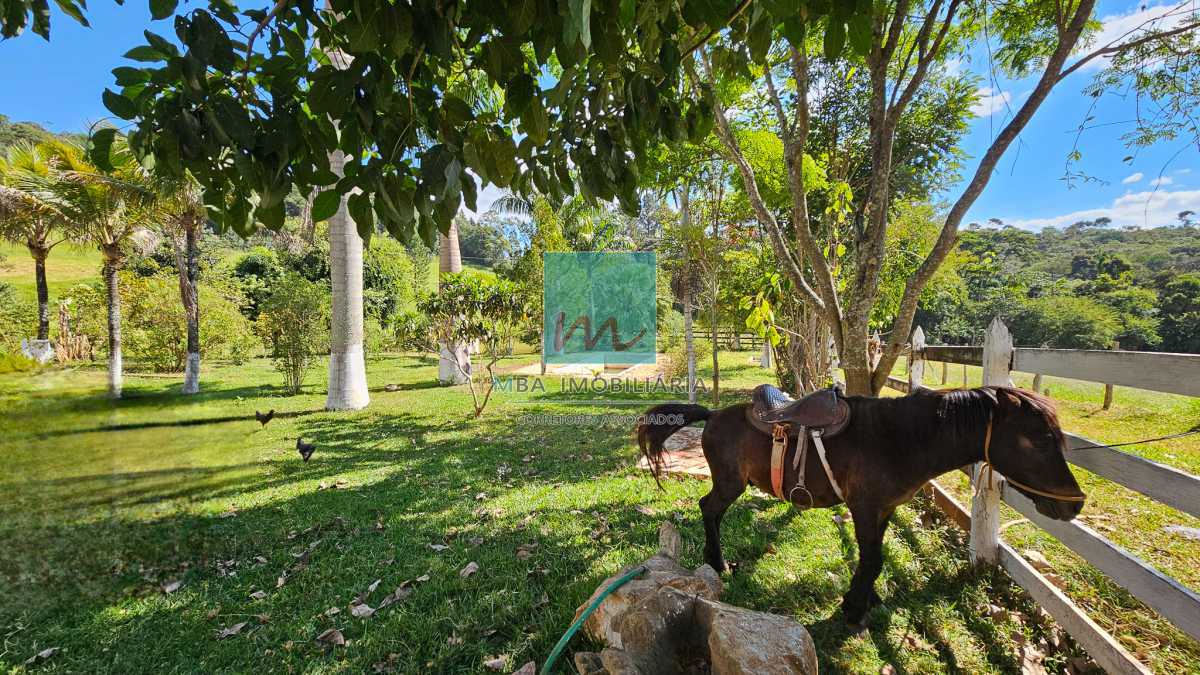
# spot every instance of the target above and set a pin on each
(18, 319)
(677, 354)
(294, 325)
(411, 332)
(16, 362)
(256, 271)
(1065, 322)
(154, 326)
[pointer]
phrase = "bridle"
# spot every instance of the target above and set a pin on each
(987, 460)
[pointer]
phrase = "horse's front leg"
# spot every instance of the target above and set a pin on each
(870, 523)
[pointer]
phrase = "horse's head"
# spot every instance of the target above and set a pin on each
(1027, 446)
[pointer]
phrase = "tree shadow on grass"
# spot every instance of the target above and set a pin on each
(94, 585)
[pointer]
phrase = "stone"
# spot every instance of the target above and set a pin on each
(745, 642)
(670, 621)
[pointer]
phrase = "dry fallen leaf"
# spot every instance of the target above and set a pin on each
(332, 611)
(423, 578)
(361, 611)
(454, 640)
(481, 496)
(1058, 581)
(475, 541)
(259, 595)
(212, 614)
(529, 668)
(495, 663)
(645, 510)
(171, 587)
(230, 631)
(260, 560)
(439, 547)
(471, 568)
(1035, 558)
(332, 636)
(43, 655)
(526, 550)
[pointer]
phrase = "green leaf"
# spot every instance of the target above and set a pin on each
(145, 54)
(160, 43)
(161, 9)
(99, 149)
(359, 205)
(860, 34)
(325, 205)
(127, 75)
(835, 38)
(119, 105)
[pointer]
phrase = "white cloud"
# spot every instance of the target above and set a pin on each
(1133, 178)
(1161, 181)
(990, 101)
(1181, 172)
(1118, 28)
(1148, 209)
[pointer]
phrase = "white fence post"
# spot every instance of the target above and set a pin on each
(916, 361)
(985, 505)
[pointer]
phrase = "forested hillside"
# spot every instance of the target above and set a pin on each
(1079, 287)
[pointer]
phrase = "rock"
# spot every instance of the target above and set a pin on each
(744, 642)
(1035, 558)
(589, 663)
(671, 621)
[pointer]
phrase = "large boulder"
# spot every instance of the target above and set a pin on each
(671, 621)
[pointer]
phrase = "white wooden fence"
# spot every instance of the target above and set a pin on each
(1173, 373)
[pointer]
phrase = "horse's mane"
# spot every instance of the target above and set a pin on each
(964, 413)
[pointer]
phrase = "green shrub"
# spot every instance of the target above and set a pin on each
(16, 362)
(1065, 322)
(677, 354)
(255, 271)
(18, 319)
(154, 326)
(412, 332)
(294, 325)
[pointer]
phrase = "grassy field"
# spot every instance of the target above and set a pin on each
(105, 505)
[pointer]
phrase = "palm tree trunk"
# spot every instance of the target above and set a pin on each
(39, 254)
(450, 262)
(112, 262)
(187, 261)
(347, 368)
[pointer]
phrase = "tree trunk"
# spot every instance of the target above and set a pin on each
(690, 344)
(187, 262)
(716, 350)
(112, 263)
(454, 361)
(39, 254)
(347, 368)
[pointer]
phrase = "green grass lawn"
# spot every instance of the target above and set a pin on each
(66, 266)
(103, 504)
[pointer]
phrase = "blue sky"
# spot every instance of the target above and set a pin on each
(58, 84)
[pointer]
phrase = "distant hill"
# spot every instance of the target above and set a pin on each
(20, 132)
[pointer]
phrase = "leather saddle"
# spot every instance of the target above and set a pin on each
(825, 412)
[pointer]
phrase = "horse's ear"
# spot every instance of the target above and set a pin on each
(1007, 402)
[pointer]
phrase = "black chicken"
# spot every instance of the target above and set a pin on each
(306, 449)
(263, 419)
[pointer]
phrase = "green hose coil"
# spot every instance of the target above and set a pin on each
(566, 638)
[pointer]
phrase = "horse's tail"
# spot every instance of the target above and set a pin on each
(657, 425)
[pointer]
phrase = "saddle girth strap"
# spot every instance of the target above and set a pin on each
(779, 443)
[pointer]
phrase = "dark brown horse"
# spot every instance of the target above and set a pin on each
(891, 448)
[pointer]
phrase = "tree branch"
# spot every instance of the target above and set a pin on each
(902, 324)
(1115, 48)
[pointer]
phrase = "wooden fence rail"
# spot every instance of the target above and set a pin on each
(1171, 373)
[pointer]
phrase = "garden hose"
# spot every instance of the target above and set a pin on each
(562, 642)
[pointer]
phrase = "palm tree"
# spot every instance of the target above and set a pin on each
(26, 217)
(106, 207)
(347, 368)
(181, 216)
(454, 360)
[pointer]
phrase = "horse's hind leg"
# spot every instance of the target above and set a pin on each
(726, 489)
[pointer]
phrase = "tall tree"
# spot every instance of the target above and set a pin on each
(181, 214)
(454, 359)
(29, 218)
(902, 43)
(107, 202)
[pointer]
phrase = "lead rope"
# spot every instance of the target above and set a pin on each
(987, 460)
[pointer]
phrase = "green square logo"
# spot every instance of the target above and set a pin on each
(599, 308)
